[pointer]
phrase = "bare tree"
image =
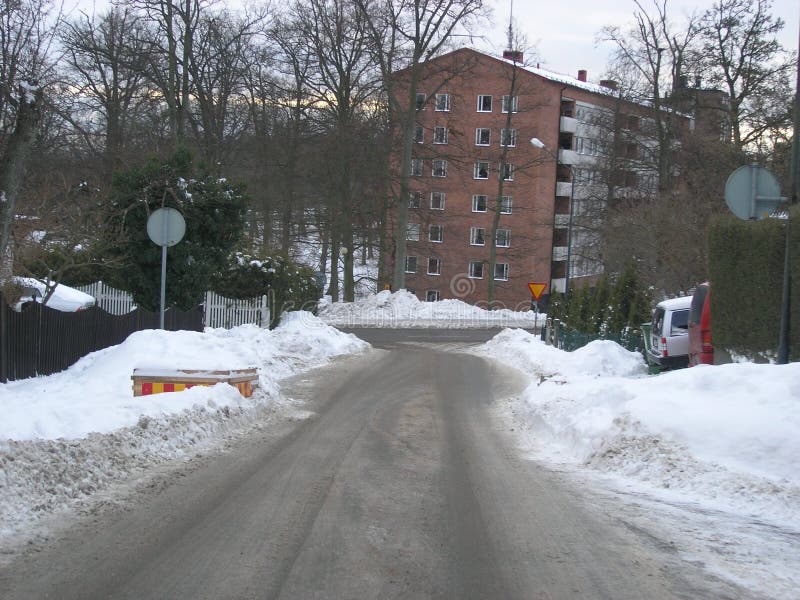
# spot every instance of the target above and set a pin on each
(26, 31)
(106, 58)
(650, 60)
(172, 41)
(741, 54)
(404, 35)
(216, 65)
(342, 82)
(295, 100)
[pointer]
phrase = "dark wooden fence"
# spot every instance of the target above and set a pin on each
(41, 340)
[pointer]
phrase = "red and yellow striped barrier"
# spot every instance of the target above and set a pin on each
(157, 381)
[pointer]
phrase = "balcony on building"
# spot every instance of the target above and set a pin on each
(559, 284)
(560, 253)
(561, 221)
(569, 124)
(564, 189)
(568, 157)
(566, 154)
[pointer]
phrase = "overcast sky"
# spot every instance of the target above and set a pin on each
(564, 33)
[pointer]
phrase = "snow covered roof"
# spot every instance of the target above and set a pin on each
(595, 88)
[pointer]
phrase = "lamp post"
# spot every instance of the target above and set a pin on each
(536, 142)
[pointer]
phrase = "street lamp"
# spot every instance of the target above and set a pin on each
(536, 142)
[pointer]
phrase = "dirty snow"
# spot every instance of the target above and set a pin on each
(707, 456)
(66, 436)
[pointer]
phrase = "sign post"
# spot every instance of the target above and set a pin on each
(165, 227)
(537, 289)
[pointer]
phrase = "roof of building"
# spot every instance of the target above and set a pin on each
(595, 88)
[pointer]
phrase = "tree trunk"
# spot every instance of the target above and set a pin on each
(349, 279)
(333, 288)
(12, 170)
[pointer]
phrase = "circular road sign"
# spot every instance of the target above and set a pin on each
(752, 192)
(166, 227)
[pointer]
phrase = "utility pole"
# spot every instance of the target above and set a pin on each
(783, 343)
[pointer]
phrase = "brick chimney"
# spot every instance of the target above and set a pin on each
(514, 55)
(582, 75)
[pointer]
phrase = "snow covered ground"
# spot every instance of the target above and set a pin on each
(402, 309)
(706, 458)
(70, 435)
(703, 459)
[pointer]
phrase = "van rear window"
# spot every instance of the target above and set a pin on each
(679, 322)
(658, 321)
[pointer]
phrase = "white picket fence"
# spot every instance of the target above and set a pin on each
(111, 300)
(219, 310)
(225, 312)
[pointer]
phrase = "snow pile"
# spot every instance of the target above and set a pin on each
(403, 309)
(704, 459)
(68, 435)
(727, 437)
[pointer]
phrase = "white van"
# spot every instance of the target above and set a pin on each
(669, 344)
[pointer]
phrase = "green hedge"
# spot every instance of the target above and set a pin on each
(289, 285)
(746, 264)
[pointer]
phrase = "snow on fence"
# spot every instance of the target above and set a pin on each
(219, 310)
(111, 300)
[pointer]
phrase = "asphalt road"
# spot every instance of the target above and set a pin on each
(401, 486)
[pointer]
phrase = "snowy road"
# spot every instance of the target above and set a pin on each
(401, 486)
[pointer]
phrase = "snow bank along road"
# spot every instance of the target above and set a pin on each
(400, 486)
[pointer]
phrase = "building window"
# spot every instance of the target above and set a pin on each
(419, 134)
(439, 135)
(437, 200)
(508, 138)
(503, 238)
(501, 271)
(420, 101)
(416, 167)
(476, 269)
(483, 136)
(442, 102)
(414, 199)
(484, 104)
(434, 266)
(587, 176)
(412, 232)
(432, 296)
(439, 168)
(477, 236)
(506, 205)
(508, 172)
(479, 203)
(481, 170)
(435, 233)
(411, 264)
(512, 101)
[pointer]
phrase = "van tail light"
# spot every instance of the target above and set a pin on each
(663, 346)
(707, 345)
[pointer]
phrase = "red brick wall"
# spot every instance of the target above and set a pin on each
(532, 189)
(465, 75)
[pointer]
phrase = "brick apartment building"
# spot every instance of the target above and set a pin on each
(552, 188)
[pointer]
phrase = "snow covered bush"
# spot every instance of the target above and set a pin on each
(290, 286)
